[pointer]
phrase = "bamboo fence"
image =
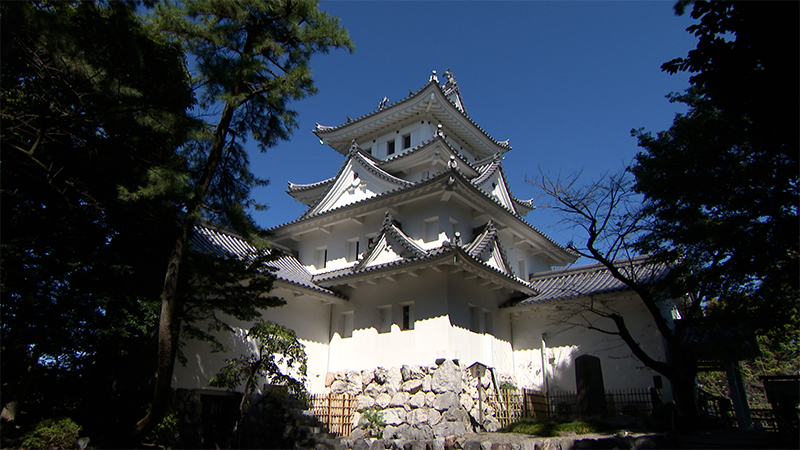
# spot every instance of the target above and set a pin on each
(335, 411)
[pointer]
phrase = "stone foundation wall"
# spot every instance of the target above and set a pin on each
(419, 402)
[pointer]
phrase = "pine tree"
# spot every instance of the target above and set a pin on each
(250, 60)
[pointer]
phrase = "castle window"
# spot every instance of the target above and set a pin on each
(322, 257)
(475, 319)
(431, 226)
(407, 316)
(384, 319)
(390, 148)
(407, 141)
(487, 322)
(347, 324)
(353, 249)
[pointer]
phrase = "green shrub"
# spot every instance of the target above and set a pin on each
(372, 421)
(165, 431)
(507, 385)
(52, 433)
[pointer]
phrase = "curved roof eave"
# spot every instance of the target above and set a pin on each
(442, 255)
(338, 137)
(566, 256)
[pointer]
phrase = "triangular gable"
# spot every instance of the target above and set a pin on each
(487, 248)
(359, 179)
(380, 253)
(492, 181)
(390, 245)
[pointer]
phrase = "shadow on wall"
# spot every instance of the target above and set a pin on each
(559, 363)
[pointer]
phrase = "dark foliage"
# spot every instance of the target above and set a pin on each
(723, 181)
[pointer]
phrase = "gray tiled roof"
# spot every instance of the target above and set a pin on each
(224, 243)
(592, 279)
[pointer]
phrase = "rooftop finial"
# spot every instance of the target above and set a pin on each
(433, 76)
(383, 103)
(449, 75)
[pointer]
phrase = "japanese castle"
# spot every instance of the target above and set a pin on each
(416, 250)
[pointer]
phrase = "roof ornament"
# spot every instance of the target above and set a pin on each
(353, 147)
(451, 80)
(457, 238)
(383, 103)
(433, 76)
(439, 131)
(388, 220)
(452, 163)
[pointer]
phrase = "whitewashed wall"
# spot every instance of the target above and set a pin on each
(566, 339)
(308, 317)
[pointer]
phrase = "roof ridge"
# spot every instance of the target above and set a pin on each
(594, 267)
(432, 81)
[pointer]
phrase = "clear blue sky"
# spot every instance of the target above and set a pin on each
(565, 81)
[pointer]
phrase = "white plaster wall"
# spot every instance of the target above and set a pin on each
(420, 131)
(308, 317)
(441, 317)
(566, 340)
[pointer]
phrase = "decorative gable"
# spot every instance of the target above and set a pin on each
(487, 248)
(359, 179)
(390, 245)
(492, 181)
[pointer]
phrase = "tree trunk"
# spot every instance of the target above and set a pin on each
(10, 409)
(684, 370)
(171, 302)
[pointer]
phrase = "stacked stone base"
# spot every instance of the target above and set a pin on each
(418, 403)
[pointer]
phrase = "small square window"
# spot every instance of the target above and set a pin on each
(390, 148)
(406, 141)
